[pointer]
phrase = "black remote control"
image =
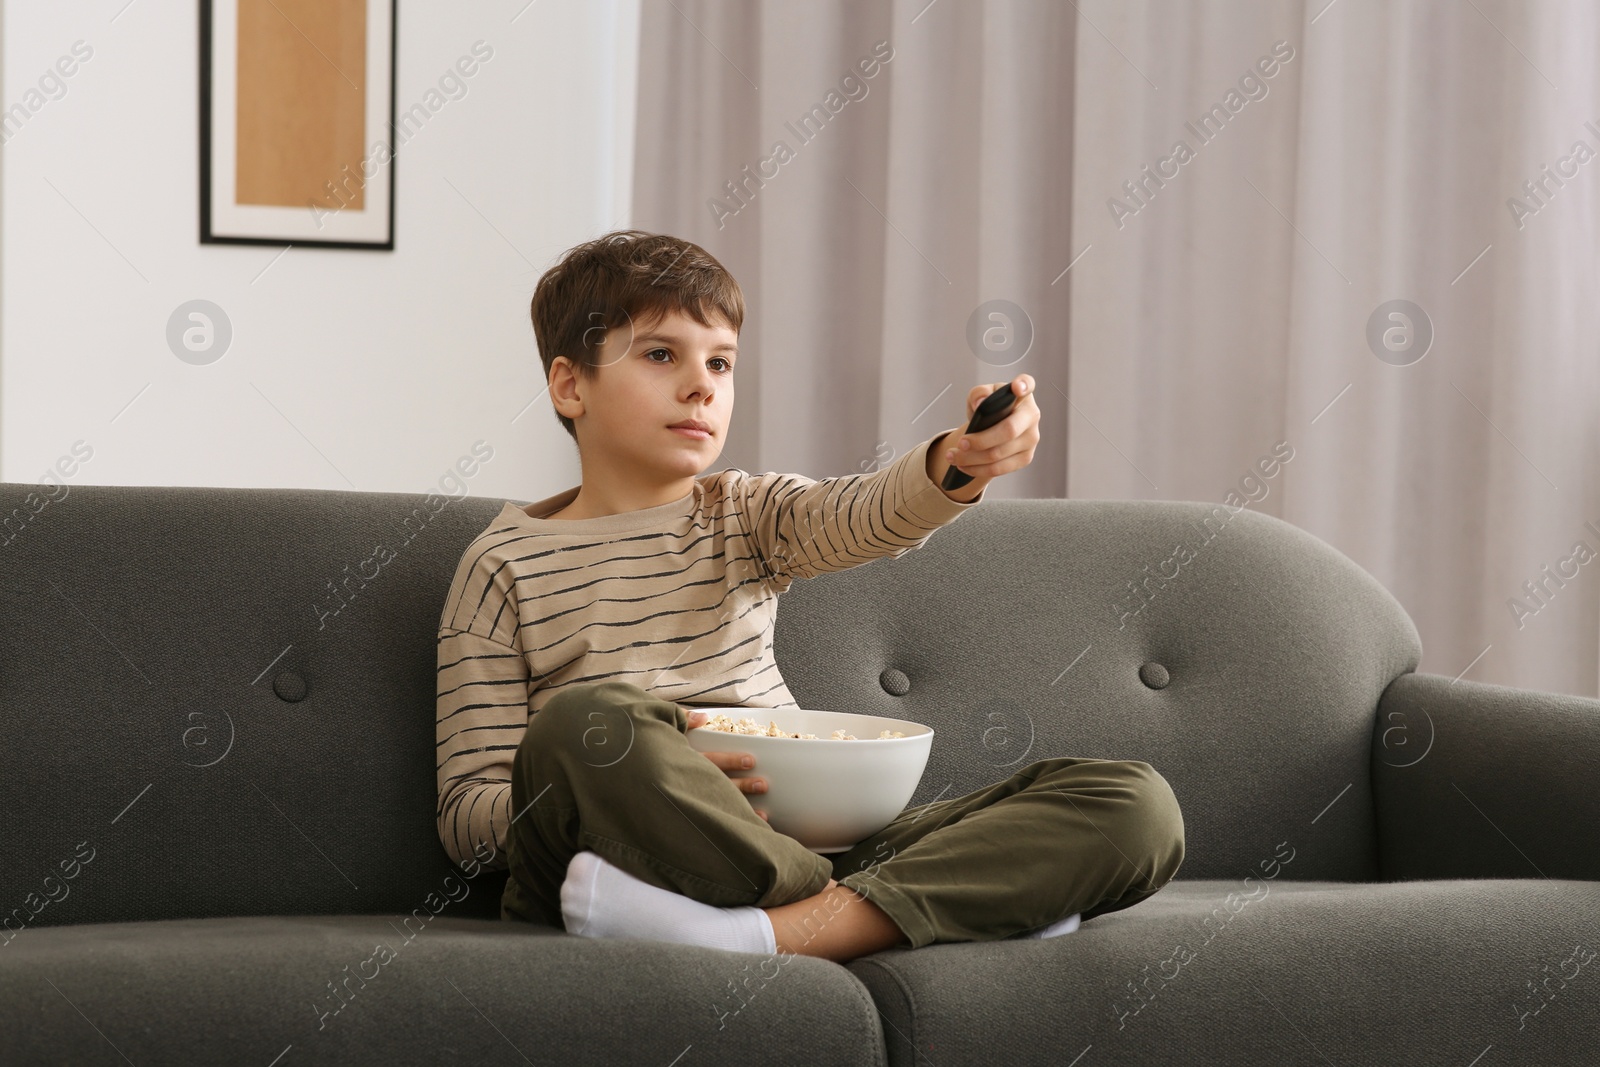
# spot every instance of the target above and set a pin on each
(995, 406)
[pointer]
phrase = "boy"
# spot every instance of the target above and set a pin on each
(580, 631)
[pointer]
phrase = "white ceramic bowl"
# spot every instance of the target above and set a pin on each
(828, 795)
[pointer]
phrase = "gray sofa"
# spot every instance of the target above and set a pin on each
(219, 791)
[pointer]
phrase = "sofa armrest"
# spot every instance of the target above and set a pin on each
(1472, 780)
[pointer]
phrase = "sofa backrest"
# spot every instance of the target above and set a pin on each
(225, 698)
(220, 701)
(1239, 655)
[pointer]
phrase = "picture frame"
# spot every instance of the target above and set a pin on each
(297, 111)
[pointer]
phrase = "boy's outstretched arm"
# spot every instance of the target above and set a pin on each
(1006, 446)
(799, 527)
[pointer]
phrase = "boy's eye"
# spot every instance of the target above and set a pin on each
(727, 366)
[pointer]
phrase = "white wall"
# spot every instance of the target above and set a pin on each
(348, 369)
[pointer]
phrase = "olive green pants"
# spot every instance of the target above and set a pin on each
(607, 768)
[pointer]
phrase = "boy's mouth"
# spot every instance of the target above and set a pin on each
(693, 428)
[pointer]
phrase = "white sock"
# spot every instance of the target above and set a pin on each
(599, 899)
(1055, 929)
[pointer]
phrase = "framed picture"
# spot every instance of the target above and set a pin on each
(296, 122)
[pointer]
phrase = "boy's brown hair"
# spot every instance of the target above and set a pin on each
(626, 277)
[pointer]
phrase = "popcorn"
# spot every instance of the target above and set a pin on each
(748, 725)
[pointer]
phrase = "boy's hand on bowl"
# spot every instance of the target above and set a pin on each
(728, 762)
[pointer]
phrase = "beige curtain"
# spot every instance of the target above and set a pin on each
(1376, 250)
(906, 200)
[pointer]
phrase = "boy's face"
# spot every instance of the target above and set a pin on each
(651, 376)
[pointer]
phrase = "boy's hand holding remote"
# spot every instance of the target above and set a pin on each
(986, 454)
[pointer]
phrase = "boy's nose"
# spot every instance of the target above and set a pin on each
(701, 391)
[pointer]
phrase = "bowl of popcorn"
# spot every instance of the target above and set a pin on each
(834, 778)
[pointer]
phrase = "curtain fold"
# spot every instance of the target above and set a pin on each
(1247, 194)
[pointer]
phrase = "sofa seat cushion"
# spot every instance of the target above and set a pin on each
(1224, 972)
(252, 990)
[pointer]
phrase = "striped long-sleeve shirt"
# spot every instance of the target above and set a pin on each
(678, 599)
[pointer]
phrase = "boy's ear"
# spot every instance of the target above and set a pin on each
(564, 388)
